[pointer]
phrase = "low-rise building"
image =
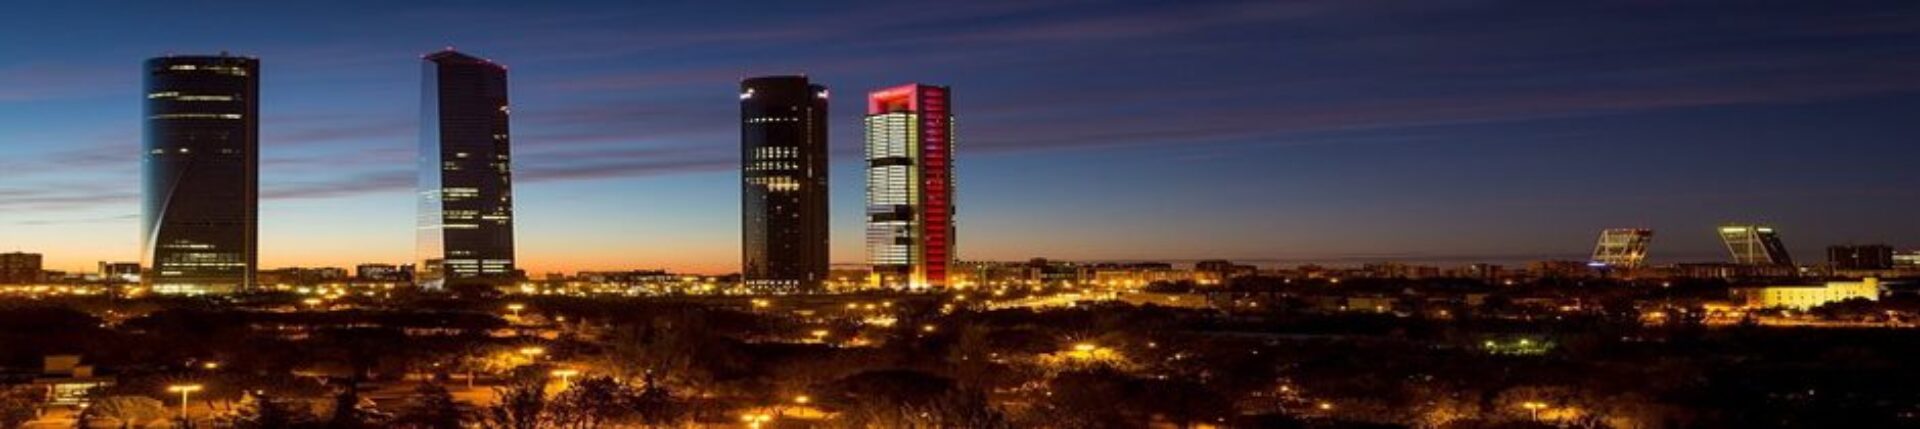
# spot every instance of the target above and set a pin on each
(1802, 297)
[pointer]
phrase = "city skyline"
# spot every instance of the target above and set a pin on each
(1265, 161)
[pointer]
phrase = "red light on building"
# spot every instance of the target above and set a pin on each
(896, 99)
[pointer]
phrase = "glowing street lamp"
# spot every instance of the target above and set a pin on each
(515, 309)
(1534, 407)
(566, 376)
(184, 390)
(755, 420)
(802, 399)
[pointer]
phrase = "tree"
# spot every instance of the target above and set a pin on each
(521, 406)
(656, 406)
(430, 407)
(263, 412)
(1098, 398)
(17, 406)
(910, 399)
(128, 411)
(591, 403)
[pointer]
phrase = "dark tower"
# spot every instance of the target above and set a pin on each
(466, 187)
(201, 170)
(783, 153)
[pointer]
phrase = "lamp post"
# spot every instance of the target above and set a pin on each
(755, 420)
(1533, 408)
(184, 390)
(566, 376)
(515, 309)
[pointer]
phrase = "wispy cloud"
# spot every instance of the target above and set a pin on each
(42, 81)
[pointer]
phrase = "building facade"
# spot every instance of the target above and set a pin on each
(1860, 257)
(466, 182)
(1802, 297)
(1622, 248)
(201, 169)
(17, 268)
(120, 271)
(910, 210)
(783, 153)
(1755, 245)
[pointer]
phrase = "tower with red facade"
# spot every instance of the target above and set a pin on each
(910, 234)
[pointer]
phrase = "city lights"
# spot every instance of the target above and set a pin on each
(1158, 214)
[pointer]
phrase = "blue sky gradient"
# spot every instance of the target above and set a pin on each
(1444, 131)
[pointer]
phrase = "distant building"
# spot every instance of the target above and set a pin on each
(302, 276)
(21, 268)
(910, 210)
(1397, 270)
(1622, 248)
(466, 182)
(1907, 260)
(1219, 271)
(1861, 257)
(120, 271)
(202, 173)
(67, 382)
(1045, 271)
(379, 273)
(1802, 297)
(1559, 269)
(1480, 271)
(1138, 273)
(783, 145)
(1724, 270)
(1755, 245)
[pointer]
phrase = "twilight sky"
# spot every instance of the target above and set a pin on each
(1335, 131)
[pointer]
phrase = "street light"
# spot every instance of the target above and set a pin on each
(184, 390)
(755, 420)
(1534, 407)
(515, 308)
(566, 376)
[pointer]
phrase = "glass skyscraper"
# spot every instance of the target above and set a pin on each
(1622, 248)
(201, 174)
(783, 152)
(466, 188)
(909, 145)
(1755, 245)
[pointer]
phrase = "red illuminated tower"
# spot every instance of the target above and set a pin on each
(910, 234)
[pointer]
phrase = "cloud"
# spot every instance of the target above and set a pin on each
(100, 219)
(44, 81)
(356, 184)
(55, 199)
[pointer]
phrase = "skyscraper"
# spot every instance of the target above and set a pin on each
(1622, 247)
(201, 170)
(783, 152)
(1755, 245)
(466, 187)
(910, 232)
